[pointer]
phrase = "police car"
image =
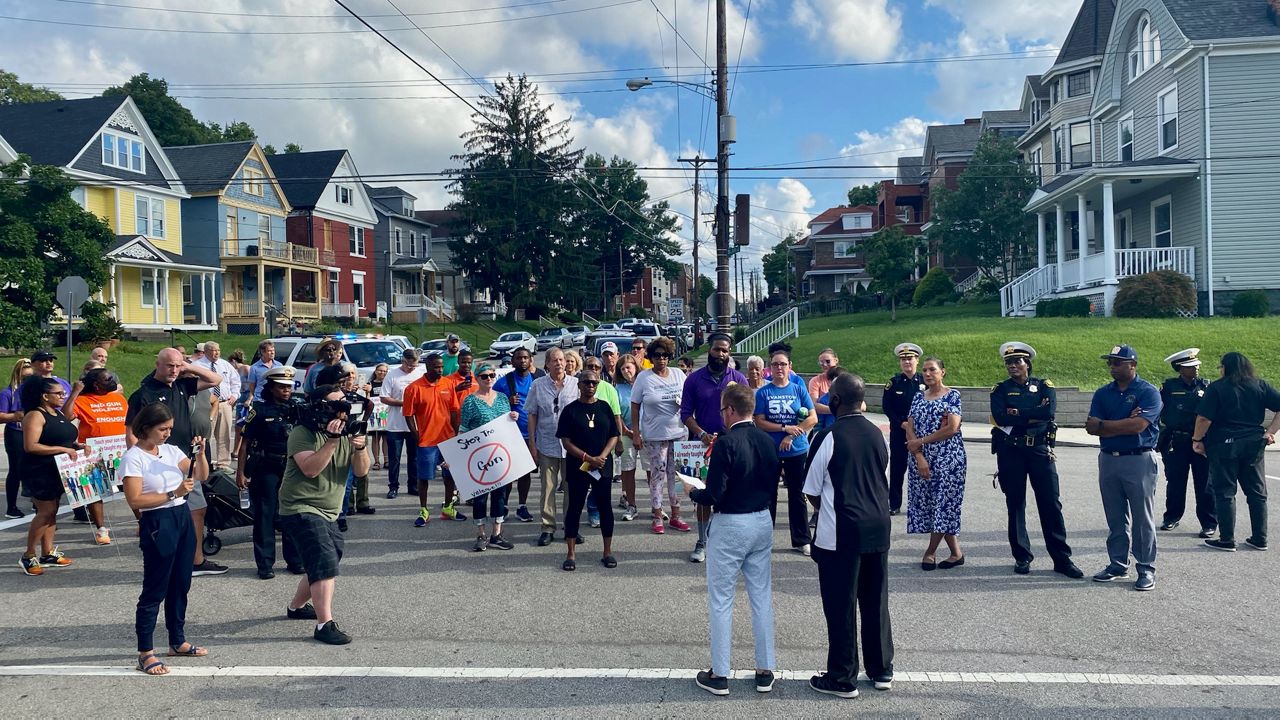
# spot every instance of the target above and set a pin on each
(365, 351)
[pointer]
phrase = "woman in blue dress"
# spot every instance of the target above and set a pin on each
(935, 480)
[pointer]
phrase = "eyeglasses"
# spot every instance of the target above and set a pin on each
(662, 356)
(56, 393)
(779, 364)
(487, 376)
(726, 408)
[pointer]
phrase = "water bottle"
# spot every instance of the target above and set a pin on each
(244, 498)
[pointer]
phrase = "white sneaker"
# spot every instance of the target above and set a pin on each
(102, 536)
(805, 550)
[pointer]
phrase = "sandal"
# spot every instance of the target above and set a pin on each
(609, 561)
(569, 566)
(377, 466)
(192, 650)
(158, 667)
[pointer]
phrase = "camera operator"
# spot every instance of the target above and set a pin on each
(321, 452)
(261, 464)
(346, 377)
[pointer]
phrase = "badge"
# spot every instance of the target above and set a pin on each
(922, 387)
(1033, 388)
(1200, 393)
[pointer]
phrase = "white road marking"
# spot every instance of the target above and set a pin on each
(632, 673)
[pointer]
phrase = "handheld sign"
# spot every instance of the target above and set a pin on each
(488, 458)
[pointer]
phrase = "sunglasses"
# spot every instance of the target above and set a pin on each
(661, 356)
(487, 376)
(589, 383)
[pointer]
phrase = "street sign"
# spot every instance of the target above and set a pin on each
(72, 292)
(711, 306)
(733, 250)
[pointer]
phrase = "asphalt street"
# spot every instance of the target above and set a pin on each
(418, 599)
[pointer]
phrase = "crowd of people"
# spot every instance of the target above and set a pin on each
(592, 422)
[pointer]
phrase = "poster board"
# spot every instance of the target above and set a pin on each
(487, 458)
(691, 458)
(93, 476)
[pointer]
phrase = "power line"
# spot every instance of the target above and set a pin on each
(741, 42)
(701, 59)
(287, 15)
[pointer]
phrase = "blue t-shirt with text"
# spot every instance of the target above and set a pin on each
(781, 405)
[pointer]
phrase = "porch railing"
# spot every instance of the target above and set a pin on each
(784, 326)
(967, 284)
(339, 310)
(439, 307)
(1027, 289)
(304, 309)
(241, 307)
(270, 249)
(1144, 260)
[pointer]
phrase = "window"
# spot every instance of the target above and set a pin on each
(1124, 230)
(846, 249)
(1037, 163)
(413, 244)
(355, 241)
(1053, 93)
(333, 285)
(859, 221)
(150, 298)
(342, 194)
(357, 288)
(399, 245)
(1078, 84)
(187, 297)
(1162, 223)
(264, 228)
(1081, 145)
(1135, 63)
(1145, 52)
(1167, 113)
(1126, 138)
(1059, 150)
(426, 246)
(150, 216)
(123, 152)
(253, 181)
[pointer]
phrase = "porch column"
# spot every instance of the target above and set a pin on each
(204, 298)
(1061, 217)
(288, 292)
(117, 311)
(1108, 233)
(168, 306)
(155, 296)
(1041, 254)
(1082, 215)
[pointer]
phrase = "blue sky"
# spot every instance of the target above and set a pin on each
(301, 70)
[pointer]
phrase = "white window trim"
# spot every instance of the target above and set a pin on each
(1160, 120)
(1126, 215)
(360, 241)
(157, 295)
(151, 225)
(116, 154)
(254, 182)
(397, 241)
(1071, 146)
(1133, 140)
(1088, 85)
(1158, 202)
(357, 278)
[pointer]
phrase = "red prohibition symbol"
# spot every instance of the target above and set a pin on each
(489, 463)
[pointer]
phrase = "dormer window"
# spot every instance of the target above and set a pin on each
(1144, 52)
(123, 152)
(859, 221)
(1078, 84)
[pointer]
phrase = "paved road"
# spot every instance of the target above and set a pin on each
(417, 601)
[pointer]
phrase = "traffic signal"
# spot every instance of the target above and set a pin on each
(742, 219)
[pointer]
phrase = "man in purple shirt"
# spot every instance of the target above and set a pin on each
(700, 412)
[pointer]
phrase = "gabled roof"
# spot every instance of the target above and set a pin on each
(1003, 117)
(208, 168)
(910, 170)
(443, 219)
(54, 133)
(1222, 19)
(836, 227)
(951, 138)
(137, 249)
(389, 191)
(1037, 88)
(304, 176)
(1089, 33)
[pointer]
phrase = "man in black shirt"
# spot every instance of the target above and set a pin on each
(742, 480)
(1181, 394)
(846, 479)
(588, 431)
(174, 382)
(1229, 432)
(898, 393)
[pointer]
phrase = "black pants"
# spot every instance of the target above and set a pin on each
(1239, 462)
(1015, 466)
(897, 464)
(168, 544)
(579, 485)
(849, 583)
(264, 491)
(491, 505)
(13, 450)
(409, 441)
(1179, 462)
(797, 506)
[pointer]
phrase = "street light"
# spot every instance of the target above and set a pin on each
(707, 90)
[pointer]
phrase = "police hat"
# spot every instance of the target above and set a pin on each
(282, 374)
(1121, 352)
(908, 350)
(1014, 350)
(1184, 358)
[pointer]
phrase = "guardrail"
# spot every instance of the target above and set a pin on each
(784, 326)
(1026, 290)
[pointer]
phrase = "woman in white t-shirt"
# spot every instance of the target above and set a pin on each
(157, 479)
(655, 401)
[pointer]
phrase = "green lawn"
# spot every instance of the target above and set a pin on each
(968, 337)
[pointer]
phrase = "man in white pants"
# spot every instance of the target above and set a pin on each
(227, 392)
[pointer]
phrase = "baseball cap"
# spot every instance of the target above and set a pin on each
(1121, 352)
(452, 337)
(609, 347)
(43, 355)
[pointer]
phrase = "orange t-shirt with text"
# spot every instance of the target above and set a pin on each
(432, 406)
(100, 415)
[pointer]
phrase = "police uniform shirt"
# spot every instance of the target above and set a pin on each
(898, 394)
(1112, 403)
(1237, 409)
(267, 427)
(1180, 402)
(1034, 414)
(176, 397)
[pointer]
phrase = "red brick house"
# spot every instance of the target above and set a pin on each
(830, 258)
(333, 214)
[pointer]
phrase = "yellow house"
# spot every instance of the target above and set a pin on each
(125, 178)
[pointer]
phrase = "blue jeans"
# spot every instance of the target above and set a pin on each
(428, 460)
(408, 441)
(740, 543)
(491, 506)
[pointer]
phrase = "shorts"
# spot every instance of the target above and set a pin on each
(43, 487)
(318, 542)
(627, 455)
(195, 499)
(428, 460)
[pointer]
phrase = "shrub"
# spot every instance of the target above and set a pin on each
(1162, 293)
(904, 296)
(1063, 307)
(934, 288)
(1251, 303)
(96, 323)
(985, 289)
(638, 312)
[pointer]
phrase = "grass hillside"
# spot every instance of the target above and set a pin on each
(968, 338)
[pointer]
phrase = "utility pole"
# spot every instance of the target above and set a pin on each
(725, 132)
(697, 162)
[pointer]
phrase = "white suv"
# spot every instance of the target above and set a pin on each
(363, 351)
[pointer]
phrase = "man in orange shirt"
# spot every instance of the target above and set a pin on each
(98, 405)
(463, 382)
(431, 409)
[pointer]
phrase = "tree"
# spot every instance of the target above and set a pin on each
(982, 218)
(170, 121)
(891, 260)
(238, 131)
(863, 195)
(513, 196)
(12, 91)
(777, 266)
(44, 236)
(291, 148)
(620, 236)
(706, 289)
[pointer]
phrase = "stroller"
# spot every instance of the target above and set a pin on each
(223, 497)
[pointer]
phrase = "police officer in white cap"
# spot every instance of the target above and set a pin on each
(896, 403)
(1181, 394)
(1023, 408)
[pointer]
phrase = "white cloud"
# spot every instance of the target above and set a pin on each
(853, 29)
(882, 148)
(1015, 19)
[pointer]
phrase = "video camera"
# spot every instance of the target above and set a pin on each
(317, 415)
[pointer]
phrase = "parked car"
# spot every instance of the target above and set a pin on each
(623, 342)
(554, 337)
(507, 343)
(400, 340)
(579, 333)
(682, 332)
(438, 346)
(363, 351)
(607, 327)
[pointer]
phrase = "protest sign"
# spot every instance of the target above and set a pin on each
(83, 478)
(110, 450)
(487, 458)
(691, 458)
(377, 415)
